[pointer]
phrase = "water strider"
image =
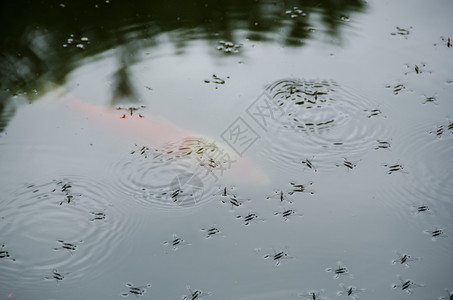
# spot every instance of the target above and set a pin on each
(134, 290)
(176, 242)
(406, 285)
(278, 256)
(195, 294)
(339, 271)
(404, 259)
(350, 291)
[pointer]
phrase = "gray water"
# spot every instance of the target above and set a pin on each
(249, 150)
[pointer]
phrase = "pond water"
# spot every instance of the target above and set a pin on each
(226, 150)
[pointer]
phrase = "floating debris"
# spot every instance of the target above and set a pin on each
(134, 290)
(404, 259)
(406, 285)
(176, 242)
(340, 270)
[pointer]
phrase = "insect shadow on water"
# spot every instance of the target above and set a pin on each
(5, 254)
(350, 291)
(212, 231)
(404, 259)
(277, 256)
(313, 295)
(137, 291)
(406, 285)
(176, 242)
(56, 276)
(340, 270)
(195, 294)
(436, 233)
(68, 246)
(250, 217)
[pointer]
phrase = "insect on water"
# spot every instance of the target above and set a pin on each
(350, 291)
(68, 246)
(278, 256)
(286, 213)
(56, 275)
(249, 218)
(134, 290)
(312, 295)
(213, 231)
(449, 297)
(406, 285)
(5, 254)
(340, 270)
(438, 232)
(195, 294)
(404, 259)
(176, 242)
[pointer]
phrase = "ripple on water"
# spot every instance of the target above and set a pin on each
(39, 218)
(424, 195)
(316, 119)
(428, 154)
(175, 176)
